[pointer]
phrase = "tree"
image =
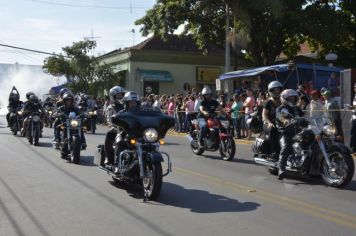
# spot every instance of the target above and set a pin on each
(83, 71)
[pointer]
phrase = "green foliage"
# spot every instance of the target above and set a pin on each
(83, 71)
(272, 26)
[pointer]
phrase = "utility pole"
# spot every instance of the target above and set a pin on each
(227, 85)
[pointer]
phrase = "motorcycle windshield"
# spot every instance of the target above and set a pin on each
(136, 122)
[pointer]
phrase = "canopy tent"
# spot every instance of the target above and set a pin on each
(290, 76)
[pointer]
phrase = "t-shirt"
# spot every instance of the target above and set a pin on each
(271, 108)
(236, 109)
(249, 104)
(208, 106)
(189, 107)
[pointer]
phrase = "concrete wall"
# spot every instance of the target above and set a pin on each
(181, 74)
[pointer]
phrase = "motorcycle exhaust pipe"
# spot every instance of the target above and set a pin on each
(264, 162)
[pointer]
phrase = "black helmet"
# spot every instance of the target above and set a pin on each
(48, 99)
(68, 96)
(63, 91)
(33, 99)
(14, 97)
(28, 95)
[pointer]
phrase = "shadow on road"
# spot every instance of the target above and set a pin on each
(45, 144)
(351, 186)
(201, 201)
(87, 161)
(235, 160)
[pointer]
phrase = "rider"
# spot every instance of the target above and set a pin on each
(48, 103)
(284, 115)
(59, 103)
(116, 95)
(31, 106)
(14, 104)
(269, 115)
(207, 107)
(64, 110)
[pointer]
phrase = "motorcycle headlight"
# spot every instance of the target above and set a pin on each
(329, 130)
(150, 135)
(19, 113)
(90, 113)
(74, 123)
(49, 112)
(225, 123)
(35, 118)
(94, 112)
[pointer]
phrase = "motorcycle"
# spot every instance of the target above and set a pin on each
(34, 128)
(71, 140)
(218, 138)
(17, 120)
(91, 120)
(315, 153)
(139, 160)
(48, 120)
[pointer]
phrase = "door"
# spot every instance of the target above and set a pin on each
(150, 87)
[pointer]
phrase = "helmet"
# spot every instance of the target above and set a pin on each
(67, 96)
(14, 97)
(273, 85)
(28, 95)
(289, 97)
(48, 99)
(114, 91)
(130, 96)
(326, 92)
(206, 91)
(33, 99)
(63, 91)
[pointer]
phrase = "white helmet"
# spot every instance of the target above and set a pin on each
(114, 91)
(289, 97)
(131, 96)
(273, 85)
(206, 90)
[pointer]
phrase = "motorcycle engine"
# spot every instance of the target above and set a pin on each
(301, 154)
(213, 138)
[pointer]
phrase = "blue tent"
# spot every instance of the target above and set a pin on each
(290, 77)
(56, 89)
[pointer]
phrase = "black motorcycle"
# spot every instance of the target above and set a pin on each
(90, 120)
(33, 131)
(71, 140)
(16, 119)
(315, 153)
(139, 160)
(48, 119)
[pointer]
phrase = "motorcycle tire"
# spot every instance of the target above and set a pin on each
(229, 154)
(36, 137)
(348, 160)
(272, 170)
(194, 144)
(30, 140)
(14, 131)
(152, 186)
(75, 153)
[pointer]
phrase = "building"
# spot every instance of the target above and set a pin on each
(166, 67)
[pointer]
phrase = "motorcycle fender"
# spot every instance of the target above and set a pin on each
(224, 136)
(340, 146)
(155, 157)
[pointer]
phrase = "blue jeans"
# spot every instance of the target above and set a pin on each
(203, 129)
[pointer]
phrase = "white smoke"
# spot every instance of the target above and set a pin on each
(25, 78)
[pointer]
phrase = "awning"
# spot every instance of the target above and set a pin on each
(276, 68)
(253, 71)
(156, 75)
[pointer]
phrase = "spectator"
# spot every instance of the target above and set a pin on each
(236, 114)
(249, 104)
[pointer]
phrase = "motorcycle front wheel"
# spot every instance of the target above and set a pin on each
(152, 182)
(36, 137)
(227, 149)
(75, 153)
(195, 145)
(342, 169)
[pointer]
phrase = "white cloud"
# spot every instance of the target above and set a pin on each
(39, 24)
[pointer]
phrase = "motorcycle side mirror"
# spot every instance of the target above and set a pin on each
(72, 115)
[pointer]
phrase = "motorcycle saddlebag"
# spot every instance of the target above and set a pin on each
(99, 158)
(261, 146)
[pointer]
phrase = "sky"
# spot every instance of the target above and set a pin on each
(49, 25)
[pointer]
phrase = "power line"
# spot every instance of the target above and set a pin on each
(88, 6)
(30, 50)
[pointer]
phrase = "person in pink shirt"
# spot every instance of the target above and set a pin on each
(171, 106)
(249, 103)
(190, 111)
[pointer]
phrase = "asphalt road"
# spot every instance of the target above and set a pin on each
(42, 194)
